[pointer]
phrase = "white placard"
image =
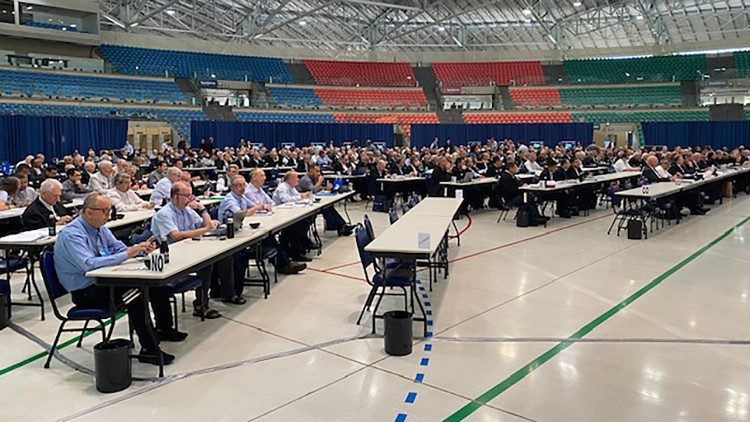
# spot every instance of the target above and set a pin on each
(156, 262)
(460, 193)
(423, 240)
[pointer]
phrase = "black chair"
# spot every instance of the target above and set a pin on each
(55, 290)
(8, 266)
(383, 278)
(392, 215)
(261, 254)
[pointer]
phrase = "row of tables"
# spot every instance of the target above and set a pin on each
(421, 234)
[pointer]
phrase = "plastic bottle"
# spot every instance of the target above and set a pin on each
(230, 228)
(52, 225)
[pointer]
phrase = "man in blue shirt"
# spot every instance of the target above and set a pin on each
(161, 191)
(236, 202)
(182, 218)
(294, 238)
(87, 244)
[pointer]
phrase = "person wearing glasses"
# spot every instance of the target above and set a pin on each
(123, 198)
(183, 218)
(87, 244)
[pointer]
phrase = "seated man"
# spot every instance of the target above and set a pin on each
(123, 198)
(47, 208)
(103, 180)
(26, 194)
(157, 174)
(87, 244)
(293, 238)
(73, 188)
(181, 219)
(162, 189)
(314, 182)
(236, 203)
(508, 186)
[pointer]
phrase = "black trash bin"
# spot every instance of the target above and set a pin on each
(3, 310)
(398, 333)
(112, 365)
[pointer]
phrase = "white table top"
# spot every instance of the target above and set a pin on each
(16, 212)
(402, 236)
(598, 168)
(199, 168)
(343, 176)
(572, 184)
(131, 217)
(400, 179)
(436, 207)
(661, 189)
(182, 256)
(472, 182)
(283, 216)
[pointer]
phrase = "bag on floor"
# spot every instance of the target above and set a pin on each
(381, 204)
(635, 229)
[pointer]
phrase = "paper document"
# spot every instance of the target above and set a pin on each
(423, 240)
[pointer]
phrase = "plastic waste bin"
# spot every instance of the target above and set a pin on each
(112, 365)
(398, 332)
(3, 310)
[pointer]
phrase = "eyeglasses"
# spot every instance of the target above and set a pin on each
(104, 210)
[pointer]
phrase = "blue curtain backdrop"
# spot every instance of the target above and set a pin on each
(273, 134)
(697, 134)
(462, 134)
(56, 136)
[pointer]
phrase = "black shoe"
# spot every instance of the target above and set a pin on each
(296, 266)
(287, 270)
(152, 357)
(302, 258)
(345, 231)
(170, 334)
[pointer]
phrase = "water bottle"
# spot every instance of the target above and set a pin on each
(52, 225)
(220, 185)
(113, 214)
(164, 249)
(230, 228)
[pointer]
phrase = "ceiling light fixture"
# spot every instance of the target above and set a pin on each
(577, 4)
(526, 12)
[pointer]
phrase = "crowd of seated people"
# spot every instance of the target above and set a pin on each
(110, 179)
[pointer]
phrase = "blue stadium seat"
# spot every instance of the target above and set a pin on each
(183, 64)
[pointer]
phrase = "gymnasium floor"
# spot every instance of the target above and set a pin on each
(656, 320)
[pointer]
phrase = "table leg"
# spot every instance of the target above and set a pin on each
(150, 329)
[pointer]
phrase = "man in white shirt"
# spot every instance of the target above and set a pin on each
(123, 198)
(103, 180)
(531, 165)
(162, 188)
(287, 191)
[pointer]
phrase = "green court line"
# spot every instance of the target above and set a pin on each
(60, 346)
(517, 376)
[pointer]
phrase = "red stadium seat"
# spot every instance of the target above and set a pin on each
(489, 73)
(328, 72)
(367, 98)
(518, 117)
(535, 97)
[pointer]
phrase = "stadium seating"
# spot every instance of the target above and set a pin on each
(372, 98)
(180, 118)
(622, 96)
(182, 64)
(256, 116)
(294, 97)
(50, 25)
(327, 72)
(69, 85)
(518, 117)
(646, 69)
(535, 97)
(642, 116)
(490, 73)
(742, 64)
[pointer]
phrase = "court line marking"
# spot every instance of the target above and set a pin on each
(527, 369)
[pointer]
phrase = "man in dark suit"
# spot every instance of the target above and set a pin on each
(376, 173)
(509, 185)
(649, 170)
(46, 207)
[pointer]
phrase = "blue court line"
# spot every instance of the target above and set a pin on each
(424, 362)
(400, 417)
(411, 397)
(427, 347)
(419, 378)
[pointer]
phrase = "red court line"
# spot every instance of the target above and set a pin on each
(340, 266)
(337, 274)
(468, 217)
(528, 238)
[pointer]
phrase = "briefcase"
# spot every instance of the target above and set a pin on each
(635, 229)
